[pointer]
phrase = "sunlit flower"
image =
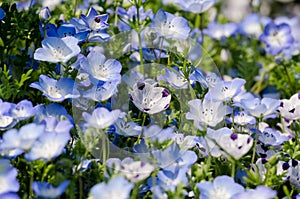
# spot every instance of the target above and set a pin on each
(57, 49)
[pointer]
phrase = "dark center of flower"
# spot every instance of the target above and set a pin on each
(97, 20)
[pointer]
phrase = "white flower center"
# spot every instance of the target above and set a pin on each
(54, 91)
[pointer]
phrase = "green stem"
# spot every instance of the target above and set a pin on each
(233, 169)
(75, 7)
(255, 142)
(289, 79)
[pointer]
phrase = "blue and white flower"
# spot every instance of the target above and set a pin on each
(221, 31)
(169, 26)
(290, 109)
(8, 177)
(46, 190)
(57, 49)
(116, 188)
(23, 110)
(260, 192)
(7, 119)
(195, 6)
(150, 98)
(101, 118)
(222, 187)
(174, 78)
(277, 37)
(56, 90)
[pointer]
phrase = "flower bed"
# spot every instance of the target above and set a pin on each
(149, 99)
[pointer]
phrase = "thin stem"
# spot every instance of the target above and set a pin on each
(116, 13)
(289, 78)
(75, 7)
(255, 142)
(233, 169)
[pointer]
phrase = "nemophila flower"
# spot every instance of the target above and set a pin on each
(195, 6)
(174, 78)
(134, 171)
(44, 14)
(157, 134)
(8, 177)
(2, 14)
(46, 190)
(101, 91)
(94, 21)
(53, 125)
(242, 118)
(52, 110)
(101, 118)
(169, 26)
(57, 49)
(207, 145)
(260, 107)
(23, 138)
(127, 128)
(101, 68)
(7, 120)
(206, 112)
(251, 25)
(116, 188)
(220, 31)
(23, 110)
(169, 180)
(65, 30)
(9, 196)
(290, 109)
(277, 37)
(260, 192)
(292, 22)
(272, 137)
(225, 90)
(149, 98)
(130, 16)
(56, 90)
(48, 146)
(222, 187)
(172, 156)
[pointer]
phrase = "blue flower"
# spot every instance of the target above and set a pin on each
(169, 26)
(221, 31)
(6, 116)
(195, 6)
(101, 118)
(23, 110)
(46, 190)
(277, 37)
(150, 98)
(259, 192)
(135, 171)
(8, 177)
(48, 146)
(53, 125)
(222, 187)
(52, 110)
(9, 196)
(2, 14)
(174, 78)
(23, 138)
(116, 188)
(54, 90)
(251, 25)
(93, 24)
(130, 15)
(44, 14)
(57, 49)
(101, 68)
(94, 21)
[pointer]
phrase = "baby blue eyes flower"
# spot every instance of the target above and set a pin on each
(8, 178)
(101, 68)
(101, 118)
(56, 90)
(221, 31)
(94, 21)
(196, 6)
(46, 190)
(116, 188)
(169, 26)
(149, 98)
(277, 37)
(260, 192)
(222, 187)
(57, 49)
